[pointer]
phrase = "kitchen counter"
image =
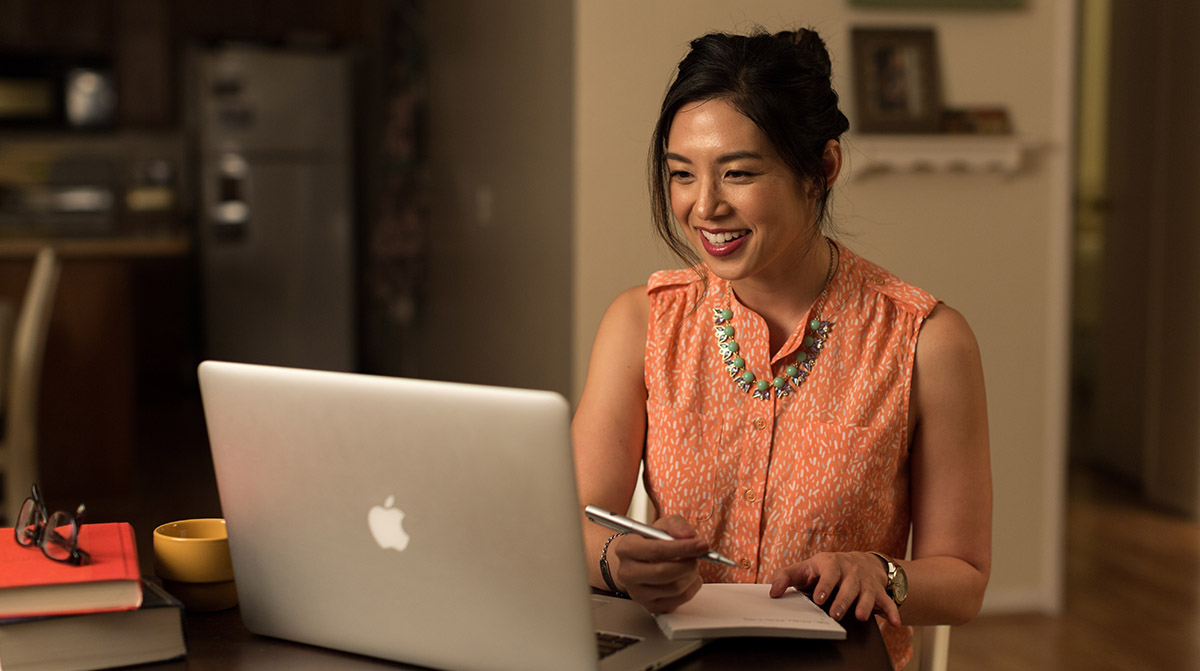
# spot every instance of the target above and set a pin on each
(113, 247)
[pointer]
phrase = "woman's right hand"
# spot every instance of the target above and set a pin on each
(660, 575)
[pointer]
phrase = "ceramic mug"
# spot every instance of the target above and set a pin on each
(192, 559)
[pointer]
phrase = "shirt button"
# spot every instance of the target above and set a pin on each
(745, 564)
(750, 495)
(760, 423)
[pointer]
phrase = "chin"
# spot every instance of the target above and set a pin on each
(724, 270)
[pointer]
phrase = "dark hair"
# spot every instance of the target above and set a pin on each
(781, 82)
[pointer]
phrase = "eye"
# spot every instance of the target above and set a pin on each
(680, 175)
(738, 174)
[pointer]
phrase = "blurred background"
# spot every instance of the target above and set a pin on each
(454, 189)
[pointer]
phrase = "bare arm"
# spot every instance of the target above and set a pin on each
(609, 433)
(951, 476)
(609, 427)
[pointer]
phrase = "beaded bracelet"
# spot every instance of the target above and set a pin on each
(604, 571)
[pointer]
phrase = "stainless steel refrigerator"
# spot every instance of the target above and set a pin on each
(275, 210)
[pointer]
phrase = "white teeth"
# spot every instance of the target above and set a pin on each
(723, 237)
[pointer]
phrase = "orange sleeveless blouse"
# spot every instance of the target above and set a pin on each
(773, 481)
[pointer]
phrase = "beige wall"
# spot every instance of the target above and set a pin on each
(995, 247)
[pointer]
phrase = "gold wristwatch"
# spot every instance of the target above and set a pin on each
(897, 579)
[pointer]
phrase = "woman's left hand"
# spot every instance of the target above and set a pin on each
(855, 580)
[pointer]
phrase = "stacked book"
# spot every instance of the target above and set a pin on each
(59, 617)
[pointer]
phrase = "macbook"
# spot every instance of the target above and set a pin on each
(425, 522)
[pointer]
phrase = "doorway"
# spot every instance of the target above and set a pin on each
(1136, 361)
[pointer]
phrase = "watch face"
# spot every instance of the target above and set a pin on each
(900, 586)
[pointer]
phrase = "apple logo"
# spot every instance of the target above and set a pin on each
(387, 525)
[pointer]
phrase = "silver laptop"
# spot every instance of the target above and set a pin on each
(425, 522)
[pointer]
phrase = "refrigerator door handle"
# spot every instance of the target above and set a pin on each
(231, 212)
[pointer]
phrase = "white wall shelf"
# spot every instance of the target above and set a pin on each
(873, 154)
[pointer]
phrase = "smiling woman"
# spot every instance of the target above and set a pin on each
(798, 118)
(731, 191)
(796, 407)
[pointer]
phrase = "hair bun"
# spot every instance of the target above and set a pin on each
(811, 46)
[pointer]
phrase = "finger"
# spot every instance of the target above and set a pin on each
(661, 597)
(870, 603)
(795, 575)
(827, 583)
(641, 568)
(668, 602)
(637, 548)
(676, 526)
(847, 592)
(890, 611)
(660, 574)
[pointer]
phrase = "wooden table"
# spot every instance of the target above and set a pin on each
(219, 641)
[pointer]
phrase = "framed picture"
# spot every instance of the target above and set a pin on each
(897, 80)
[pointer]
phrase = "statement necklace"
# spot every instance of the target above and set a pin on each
(815, 335)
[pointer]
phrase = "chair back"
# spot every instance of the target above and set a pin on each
(934, 648)
(18, 451)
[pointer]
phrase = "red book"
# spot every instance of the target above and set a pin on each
(31, 584)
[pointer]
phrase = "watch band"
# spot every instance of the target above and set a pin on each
(604, 570)
(892, 569)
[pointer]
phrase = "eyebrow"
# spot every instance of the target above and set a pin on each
(723, 158)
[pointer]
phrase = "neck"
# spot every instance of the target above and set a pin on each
(782, 301)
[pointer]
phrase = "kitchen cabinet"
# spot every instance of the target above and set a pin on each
(144, 37)
(145, 64)
(56, 25)
(270, 20)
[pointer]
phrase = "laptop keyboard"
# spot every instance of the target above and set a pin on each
(607, 644)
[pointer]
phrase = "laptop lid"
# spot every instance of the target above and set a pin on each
(426, 522)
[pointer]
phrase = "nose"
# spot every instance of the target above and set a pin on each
(710, 202)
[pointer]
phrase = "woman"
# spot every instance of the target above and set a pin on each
(798, 409)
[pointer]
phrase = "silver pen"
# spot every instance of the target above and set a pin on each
(617, 522)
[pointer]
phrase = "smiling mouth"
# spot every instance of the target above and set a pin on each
(722, 237)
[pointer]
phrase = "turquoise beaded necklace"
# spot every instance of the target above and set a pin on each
(815, 335)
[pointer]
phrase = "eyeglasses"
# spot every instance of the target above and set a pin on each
(56, 534)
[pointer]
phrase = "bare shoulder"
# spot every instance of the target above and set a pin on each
(630, 309)
(618, 353)
(946, 339)
(624, 324)
(948, 369)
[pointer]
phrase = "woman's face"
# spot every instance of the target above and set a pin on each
(740, 206)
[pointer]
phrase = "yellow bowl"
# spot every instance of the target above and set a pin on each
(195, 551)
(204, 596)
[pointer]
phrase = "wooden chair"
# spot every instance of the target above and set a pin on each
(27, 345)
(933, 653)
